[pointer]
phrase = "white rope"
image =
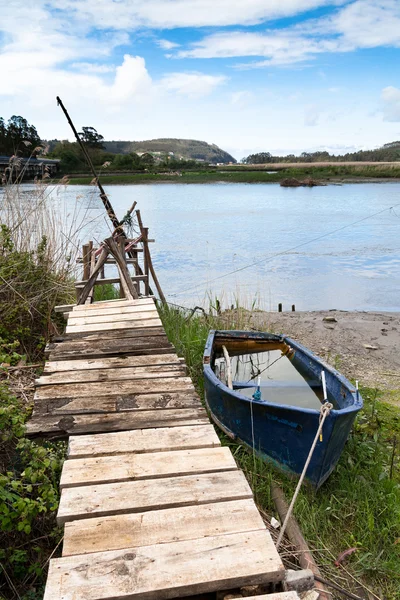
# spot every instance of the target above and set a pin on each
(325, 410)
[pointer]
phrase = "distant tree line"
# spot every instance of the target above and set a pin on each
(389, 153)
(18, 137)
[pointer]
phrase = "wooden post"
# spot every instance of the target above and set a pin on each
(92, 258)
(280, 307)
(125, 277)
(146, 261)
(305, 558)
(147, 252)
(86, 261)
(90, 282)
(121, 247)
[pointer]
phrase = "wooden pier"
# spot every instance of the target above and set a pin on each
(153, 507)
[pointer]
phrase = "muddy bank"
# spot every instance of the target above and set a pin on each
(362, 345)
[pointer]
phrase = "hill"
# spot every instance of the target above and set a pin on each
(186, 149)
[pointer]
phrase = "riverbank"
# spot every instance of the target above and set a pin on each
(358, 506)
(362, 345)
(324, 175)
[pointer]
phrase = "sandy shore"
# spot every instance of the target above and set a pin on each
(362, 345)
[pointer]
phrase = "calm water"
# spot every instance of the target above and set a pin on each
(280, 382)
(205, 231)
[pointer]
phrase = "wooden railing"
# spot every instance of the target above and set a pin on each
(123, 252)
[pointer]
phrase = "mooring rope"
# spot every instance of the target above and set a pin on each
(325, 411)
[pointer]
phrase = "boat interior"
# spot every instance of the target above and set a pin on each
(268, 370)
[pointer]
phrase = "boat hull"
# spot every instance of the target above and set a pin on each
(283, 434)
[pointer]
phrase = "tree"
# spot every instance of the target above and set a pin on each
(3, 137)
(90, 136)
(20, 138)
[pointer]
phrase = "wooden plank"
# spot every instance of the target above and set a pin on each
(116, 402)
(144, 529)
(146, 440)
(75, 406)
(112, 304)
(164, 571)
(154, 465)
(142, 350)
(101, 315)
(152, 322)
(110, 347)
(135, 386)
(143, 495)
(292, 595)
(137, 332)
(120, 362)
(93, 375)
(108, 280)
(56, 425)
(149, 313)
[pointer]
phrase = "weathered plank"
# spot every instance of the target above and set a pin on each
(75, 406)
(144, 529)
(116, 402)
(112, 304)
(59, 426)
(111, 334)
(152, 322)
(154, 465)
(134, 386)
(164, 571)
(143, 350)
(145, 440)
(95, 312)
(143, 495)
(135, 315)
(82, 348)
(94, 375)
(292, 595)
(120, 362)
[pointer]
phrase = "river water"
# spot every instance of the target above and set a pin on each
(203, 232)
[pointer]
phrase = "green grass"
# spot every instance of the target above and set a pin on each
(243, 175)
(359, 505)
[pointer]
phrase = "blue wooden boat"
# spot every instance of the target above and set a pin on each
(273, 404)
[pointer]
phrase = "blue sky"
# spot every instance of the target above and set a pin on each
(249, 75)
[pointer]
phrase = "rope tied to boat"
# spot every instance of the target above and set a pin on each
(326, 408)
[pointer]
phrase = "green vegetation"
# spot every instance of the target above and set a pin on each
(359, 505)
(17, 137)
(389, 152)
(36, 265)
(185, 149)
(243, 175)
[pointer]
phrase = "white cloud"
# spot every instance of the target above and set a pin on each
(311, 115)
(391, 104)
(361, 24)
(242, 98)
(183, 13)
(191, 84)
(92, 67)
(132, 81)
(166, 44)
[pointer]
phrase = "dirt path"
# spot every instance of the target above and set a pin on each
(362, 345)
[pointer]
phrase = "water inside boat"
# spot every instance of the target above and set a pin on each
(280, 381)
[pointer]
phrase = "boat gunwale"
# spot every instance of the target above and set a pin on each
(356, 405)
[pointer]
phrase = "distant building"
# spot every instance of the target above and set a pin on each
(12, 166)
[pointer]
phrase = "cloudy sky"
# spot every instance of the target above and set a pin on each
(248, 75)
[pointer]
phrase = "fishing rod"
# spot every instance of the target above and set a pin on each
(103, 195)
(118, 225)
